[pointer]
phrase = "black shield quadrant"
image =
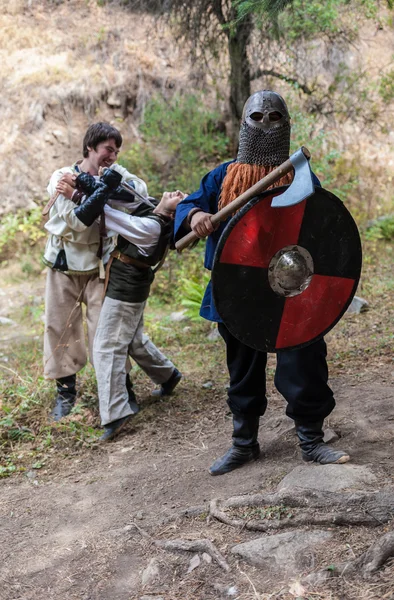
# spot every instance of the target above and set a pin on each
(283, 277)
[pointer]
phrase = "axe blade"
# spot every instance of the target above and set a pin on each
(302, 186)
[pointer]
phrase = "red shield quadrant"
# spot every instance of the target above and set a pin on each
(256, 309)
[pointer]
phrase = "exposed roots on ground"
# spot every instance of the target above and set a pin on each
(297, 508)
(176, 545)
(365, 566)
(369, 509)
(194, 546)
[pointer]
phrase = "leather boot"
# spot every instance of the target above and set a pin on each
(244, 449)
(66, 395)
(314, 449)
(132, 397)
(168, 386)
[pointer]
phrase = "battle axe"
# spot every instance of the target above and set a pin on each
(301, 188)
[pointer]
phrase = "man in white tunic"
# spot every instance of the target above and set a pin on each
(74, 253)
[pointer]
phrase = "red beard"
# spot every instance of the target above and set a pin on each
(240, 177)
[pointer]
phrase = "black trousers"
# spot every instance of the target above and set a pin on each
(301, 377)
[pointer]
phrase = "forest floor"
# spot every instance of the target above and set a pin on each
(86, 521)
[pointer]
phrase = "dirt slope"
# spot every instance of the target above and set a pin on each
(65, 65)
(68, 63)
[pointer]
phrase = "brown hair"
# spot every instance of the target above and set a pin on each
(97, 133)
(241, 176)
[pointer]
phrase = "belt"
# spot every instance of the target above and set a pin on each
(128, 260)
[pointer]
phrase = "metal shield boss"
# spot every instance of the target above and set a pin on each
(284, 274)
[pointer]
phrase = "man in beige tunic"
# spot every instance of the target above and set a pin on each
(75, 254)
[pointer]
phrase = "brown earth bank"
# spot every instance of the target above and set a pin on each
(69, 63)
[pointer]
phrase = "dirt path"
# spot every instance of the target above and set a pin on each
(69, 533)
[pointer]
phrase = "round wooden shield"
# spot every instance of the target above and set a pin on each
(283, 277)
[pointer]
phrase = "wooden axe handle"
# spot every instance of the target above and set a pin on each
(49, 204)
(236, 204)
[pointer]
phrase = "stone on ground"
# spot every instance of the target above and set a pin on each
(288, 553)
(328, 478)
(151, 573)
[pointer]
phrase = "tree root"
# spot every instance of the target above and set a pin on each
(369, 509)
(366, 565)
(203, 545)
(194, 546)
(312, 507)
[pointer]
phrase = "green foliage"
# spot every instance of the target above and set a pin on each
(192, 293)
(182, 140)
(381, 229)
(386, 87)
(25, 224)
(268, 512)
(306, 19)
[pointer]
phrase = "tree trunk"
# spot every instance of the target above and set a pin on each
(238, 40)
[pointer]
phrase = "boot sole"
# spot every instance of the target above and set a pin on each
(341, 461)
(217, 473)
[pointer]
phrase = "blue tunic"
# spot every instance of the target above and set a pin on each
(207, 198)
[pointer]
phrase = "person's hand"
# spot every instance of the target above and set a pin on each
(201, 224)
(65, 189)
(69, 178)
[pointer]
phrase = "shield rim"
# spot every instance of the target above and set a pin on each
(233, 222)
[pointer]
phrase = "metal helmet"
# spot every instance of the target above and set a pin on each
(264, 137)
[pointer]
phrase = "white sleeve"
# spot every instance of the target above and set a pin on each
(141, 231)
(65, 208)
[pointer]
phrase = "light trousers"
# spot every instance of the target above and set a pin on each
(119, 334)
(64, 338)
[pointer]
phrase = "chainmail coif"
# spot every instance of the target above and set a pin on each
(258, 147)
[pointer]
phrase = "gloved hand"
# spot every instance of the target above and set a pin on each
(111, 178)
(86, 183)
(93, 206)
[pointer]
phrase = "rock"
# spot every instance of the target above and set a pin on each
(374, 222)
(152, 598)
(207, 385)
(357, 306)
(328, 478)
(288, 553)
(207, 558)
(213, 335)
(194, 563)
(58, 135)
(151, 573)
(330, 436)
(140, 515)
(178, 316)
(226, 591)
(6, 321)
(114, 101)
